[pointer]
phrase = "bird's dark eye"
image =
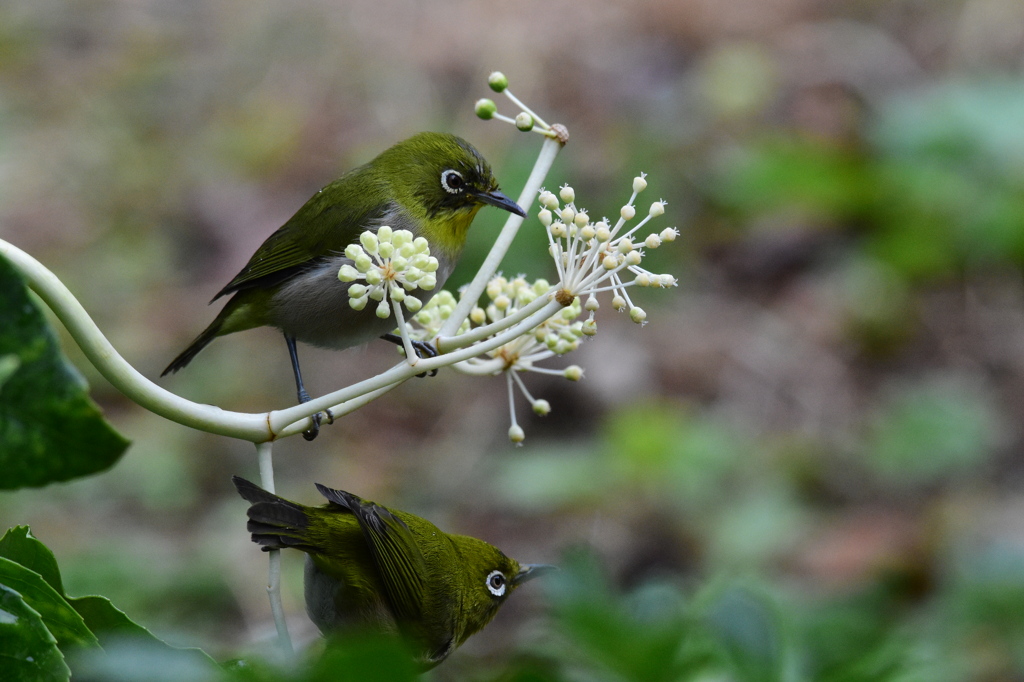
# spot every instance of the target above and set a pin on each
(452, 181)
(496, 583)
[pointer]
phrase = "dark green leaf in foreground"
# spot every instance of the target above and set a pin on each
(28, 652)
(50, 430)
(60, 619)
(108, 623)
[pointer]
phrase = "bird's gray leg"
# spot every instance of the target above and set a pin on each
(312, 432)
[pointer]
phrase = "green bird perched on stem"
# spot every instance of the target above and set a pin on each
(432, 185)
(388, 570)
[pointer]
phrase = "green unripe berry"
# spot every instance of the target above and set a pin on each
(486, 108)
(498, 81)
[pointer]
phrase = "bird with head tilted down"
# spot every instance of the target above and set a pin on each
(387, 570)
(432, 184)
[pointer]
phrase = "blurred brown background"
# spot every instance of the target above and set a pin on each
(831, 397)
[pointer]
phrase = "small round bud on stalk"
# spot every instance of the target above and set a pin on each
(383, 310)
(558, 229)
(498, 81)
(567, 214)
(516, 434)
(633, 258)
(637, 315)
(619, 303)
(568, 194)
(669, 234)
(586, 231)
(610, 262)
(573, 373)
(581, 219)
(639, 184)
(542, 408)
(643, 280)
(548, 200)
(502, 302)
(653, 241)
(589, 328)
(627, 212)
(602, 232)
(485, 109)
(524, 121)
(592, 303)
(544, 216)
(347, 273)
(478, 316)
(657, 209)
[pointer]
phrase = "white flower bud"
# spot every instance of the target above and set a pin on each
(347, 273)
(516, 434)
(383, 310)
(544, 216)
(398, 263)
(548, 200)
(643, 280)
(625, 245)
(602, 232)
(668, 281)
(431, 265)
(592, 303)
(627, 212)
(610, 262)
(669, 234)
(587, 231)
(385, 233)
(619, 303)
(397, 293)
(581, 219)
(637, 314)
(356, 291)
(524, 121)
(542, 407)
(401, 238)
(369, 241)
(657, 209)
(568, 194)
(502, 302)
(364, 263)
(562, 347)
(353, 251)
(653, 241)
(639, 184)
(422, 245)
(486, 108)
(478, 316)
(567, 214)
(633, 258)
(386, 249)
(428, 281)
(357, 303)
(497, 81)
(558, 229)
(573, 373)
(589, 328)
(541, 286)
(373, 277)
(413, 304)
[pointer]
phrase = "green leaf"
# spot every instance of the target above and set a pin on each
(50, 430)
(20, 546)
(60, 619)
(109, 624)
(28, 652)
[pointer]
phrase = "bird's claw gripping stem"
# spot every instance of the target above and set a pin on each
(424, 350)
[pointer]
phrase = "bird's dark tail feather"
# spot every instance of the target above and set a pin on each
(201, 342)
(275, 523)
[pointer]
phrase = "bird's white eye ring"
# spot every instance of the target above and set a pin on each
(497, 583)
(452, 181)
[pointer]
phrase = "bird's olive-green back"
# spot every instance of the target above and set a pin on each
(435, 583)
(403, 182)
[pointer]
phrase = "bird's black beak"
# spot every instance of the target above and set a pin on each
(497, 198)
(528, 572)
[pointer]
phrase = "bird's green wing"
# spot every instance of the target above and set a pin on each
(400, 562)
(327, 223)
